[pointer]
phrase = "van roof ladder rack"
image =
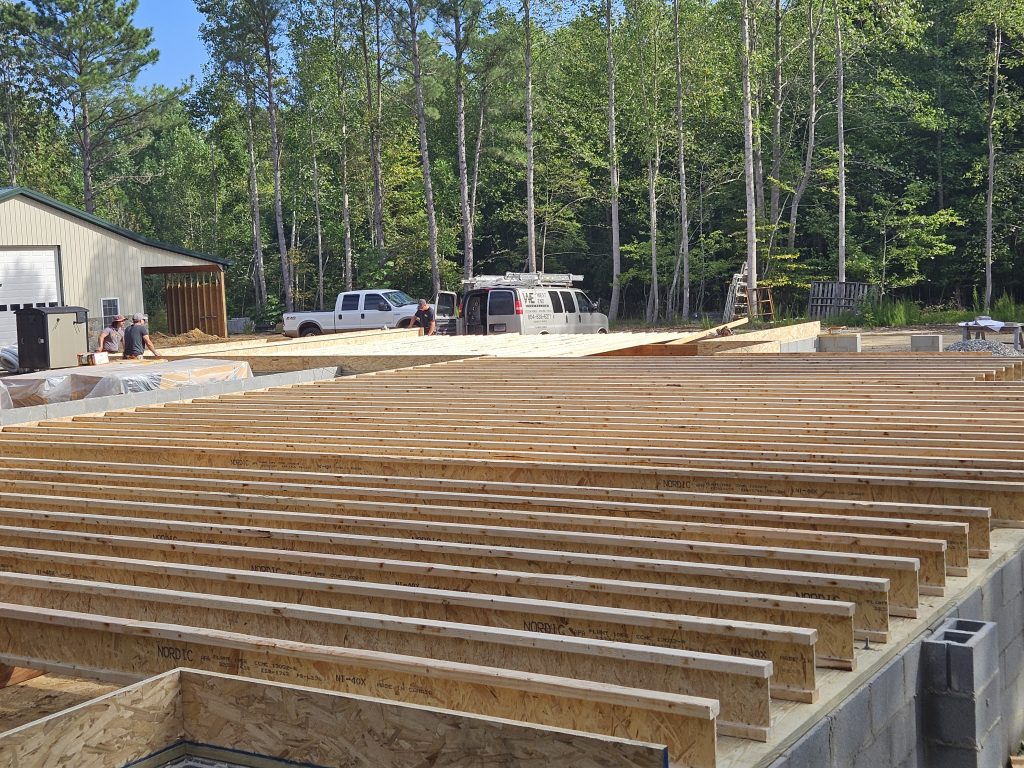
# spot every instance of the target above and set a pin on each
(522, 280)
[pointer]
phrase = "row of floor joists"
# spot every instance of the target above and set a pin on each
(651, 549)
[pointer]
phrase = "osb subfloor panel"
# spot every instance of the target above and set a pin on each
(45, 695)
(790, 720)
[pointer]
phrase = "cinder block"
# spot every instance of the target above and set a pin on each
(845, 342)
(877, 751)
(1012, 658)
(904, 735)
(970, 606)
(1013, 580)
(887, 695)
(811, 751)
(798, 345)
(972, 661)
(1013, 713)
(913, 680)
(964, 719)
(926, 342)
(991, 599)
(990, 755)
(934, 666)
(851, 728)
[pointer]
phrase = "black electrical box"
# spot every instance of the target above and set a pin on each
(51, 337)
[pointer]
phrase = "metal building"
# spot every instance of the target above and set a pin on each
(52, 253)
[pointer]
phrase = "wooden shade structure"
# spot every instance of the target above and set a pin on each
(195, 298)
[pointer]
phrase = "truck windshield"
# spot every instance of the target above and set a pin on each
(399, 298)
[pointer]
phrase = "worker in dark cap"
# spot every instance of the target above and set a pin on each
(136, 339)
(424, 318)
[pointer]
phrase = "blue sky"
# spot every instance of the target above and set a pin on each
(175, 26)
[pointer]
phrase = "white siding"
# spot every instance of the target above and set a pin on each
(95, 263)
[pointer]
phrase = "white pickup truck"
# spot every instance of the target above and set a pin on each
(373, 308)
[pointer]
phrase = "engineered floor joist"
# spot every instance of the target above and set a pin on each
(523, 516)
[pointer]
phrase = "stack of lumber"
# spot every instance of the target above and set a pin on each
(647, 548)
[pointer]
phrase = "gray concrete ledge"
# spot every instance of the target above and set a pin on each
(156, 397)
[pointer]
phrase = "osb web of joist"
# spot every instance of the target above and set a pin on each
(189, 712)
(639, 548)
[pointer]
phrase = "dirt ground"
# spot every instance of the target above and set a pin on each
(898, 339)
(42, 696)
(196, 336)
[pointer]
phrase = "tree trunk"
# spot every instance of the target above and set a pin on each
(841, 131)
(476, 158)
(997, 45)
(531, 235)
(773, 209)
(613, 168)
(812, 124)
(86, 134)
(346, 214)
(460, 144)
(652, 200)
(12, 139)
(421, 120)
(373, 118)
(275, 157)
(259, 277)
(683, 252)
(755, 105)
(318, 220)
(346, 211)
(748, 163)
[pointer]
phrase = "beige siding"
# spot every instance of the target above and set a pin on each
(95, 264)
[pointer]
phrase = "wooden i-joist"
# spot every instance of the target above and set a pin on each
(643, 548)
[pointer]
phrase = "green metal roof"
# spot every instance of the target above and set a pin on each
(8, 192)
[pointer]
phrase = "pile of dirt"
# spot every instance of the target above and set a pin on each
(195, 336)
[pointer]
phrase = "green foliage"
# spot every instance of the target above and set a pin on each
(176, 166)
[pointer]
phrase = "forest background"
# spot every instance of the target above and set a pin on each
(654, 146)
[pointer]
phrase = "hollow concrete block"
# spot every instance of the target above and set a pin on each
(845, 342)
(926, 342)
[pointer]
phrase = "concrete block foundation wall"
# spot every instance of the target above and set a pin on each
(882, 725)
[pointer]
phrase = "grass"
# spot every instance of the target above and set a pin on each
(888, 313)
(885, 313)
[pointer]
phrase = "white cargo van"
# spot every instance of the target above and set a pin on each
(528, 303)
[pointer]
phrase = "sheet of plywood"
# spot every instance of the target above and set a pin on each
(306, 725)
(108, 732)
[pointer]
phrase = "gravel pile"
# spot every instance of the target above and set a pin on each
(997, 348)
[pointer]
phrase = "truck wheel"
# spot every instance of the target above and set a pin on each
(404, 324)
(602, 330)
(310, 330)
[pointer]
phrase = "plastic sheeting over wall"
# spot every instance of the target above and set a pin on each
(59, 386)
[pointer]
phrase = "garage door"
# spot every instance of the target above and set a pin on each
(28, 278)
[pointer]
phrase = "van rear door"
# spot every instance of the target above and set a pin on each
(501, 311)
(445, 313)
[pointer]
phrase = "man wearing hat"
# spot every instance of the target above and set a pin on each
(112, 336)
(136, 339)
(424, 318)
